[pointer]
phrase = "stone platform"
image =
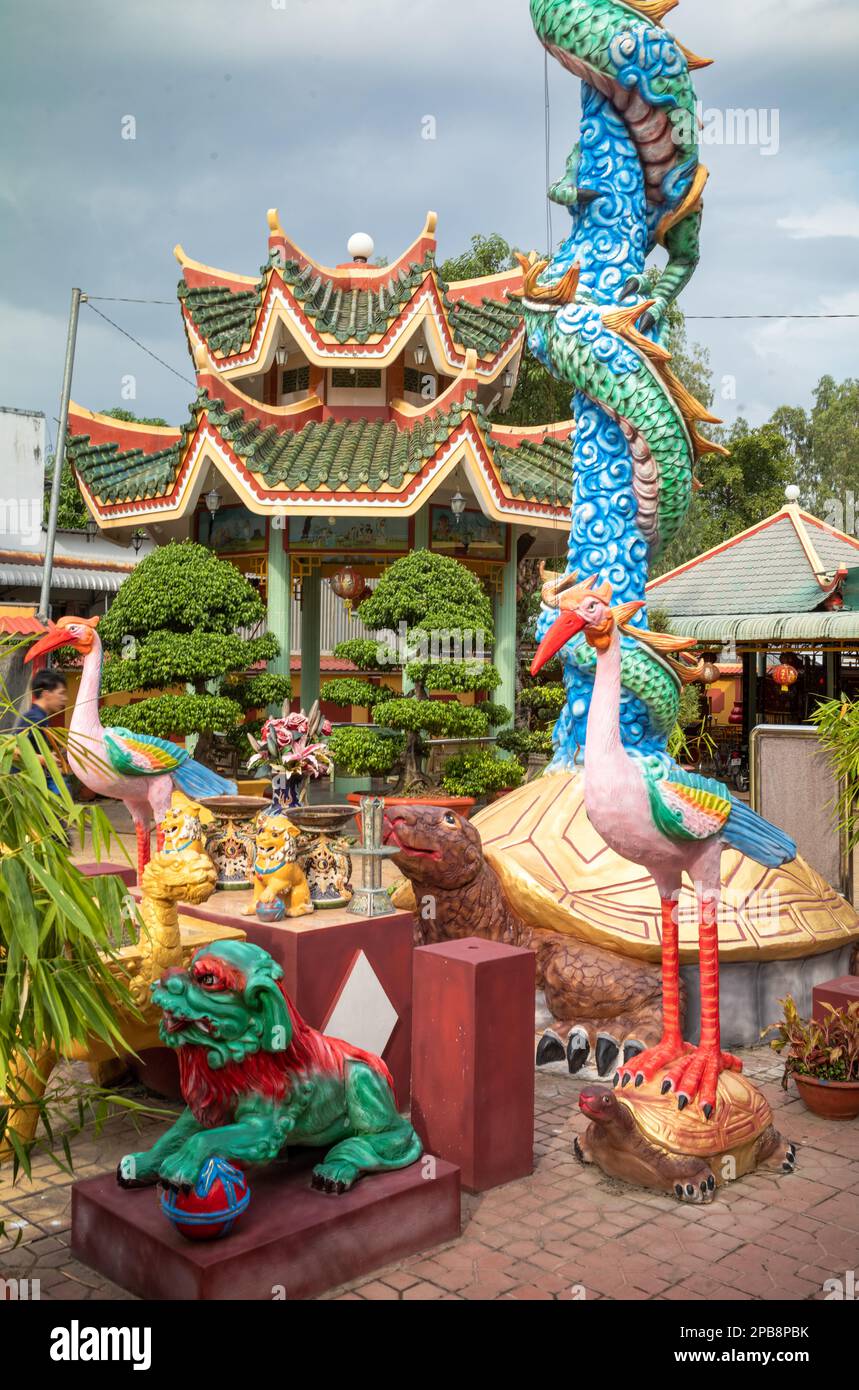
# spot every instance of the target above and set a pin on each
(292, 1243)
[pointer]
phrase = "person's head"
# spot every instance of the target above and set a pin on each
(49, 691)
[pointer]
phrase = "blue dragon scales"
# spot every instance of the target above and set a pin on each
(596, 317)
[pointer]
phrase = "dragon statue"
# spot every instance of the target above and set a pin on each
(596, 317)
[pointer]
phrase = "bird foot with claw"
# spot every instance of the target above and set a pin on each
(653, 1060)
(696, 1076)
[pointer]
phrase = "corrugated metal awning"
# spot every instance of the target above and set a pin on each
(88, 581)
(783, 628)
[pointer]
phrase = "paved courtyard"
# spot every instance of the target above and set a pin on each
(565, 1232)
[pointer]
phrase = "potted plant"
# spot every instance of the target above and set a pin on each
(433, 622)
(822, 1057)
(538, 708)
(292, 751)
(480, 772)
(174, 635)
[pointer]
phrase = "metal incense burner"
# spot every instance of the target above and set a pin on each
(370, 899)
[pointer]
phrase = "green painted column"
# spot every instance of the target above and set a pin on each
(311, 634)
(422, 528)
(421, 543)
(279, 599)
(506, 636)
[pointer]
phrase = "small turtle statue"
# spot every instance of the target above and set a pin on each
(640, 1136)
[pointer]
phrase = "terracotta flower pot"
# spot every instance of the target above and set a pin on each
(833, 1100)
(461, 804)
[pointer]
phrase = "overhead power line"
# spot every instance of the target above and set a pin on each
(142, 346)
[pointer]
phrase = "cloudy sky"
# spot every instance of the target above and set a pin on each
(316, 107)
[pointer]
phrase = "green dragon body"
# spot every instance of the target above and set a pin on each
(595, 315)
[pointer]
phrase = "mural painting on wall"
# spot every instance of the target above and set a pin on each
(345, 534)
(470, 534)
(232, 528)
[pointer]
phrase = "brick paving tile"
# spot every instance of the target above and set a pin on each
(562, 1230)
(399, 1278)
(377, 1290)
(421, 1291)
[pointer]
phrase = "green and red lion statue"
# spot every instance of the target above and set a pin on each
(257, 1079)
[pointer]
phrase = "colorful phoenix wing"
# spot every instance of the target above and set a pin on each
(688, 807)
(141, 755)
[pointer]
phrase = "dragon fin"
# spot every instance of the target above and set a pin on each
(623, 321)
(692, 58)
(656, 10)
(691, 203)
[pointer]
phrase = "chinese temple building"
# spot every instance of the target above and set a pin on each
(784, 597)
(343, 417)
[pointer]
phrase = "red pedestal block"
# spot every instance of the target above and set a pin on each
(292, 1243)
(839, 993)
(329, 962)
(123, 871)
(322, 961)
(473, 1058)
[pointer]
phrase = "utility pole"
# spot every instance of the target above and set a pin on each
(59, 457)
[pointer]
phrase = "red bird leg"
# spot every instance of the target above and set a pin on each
(648, 1063)
(143, 851)
(696, 1076)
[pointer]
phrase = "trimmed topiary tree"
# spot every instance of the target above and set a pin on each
(176, 621)
(433, 622)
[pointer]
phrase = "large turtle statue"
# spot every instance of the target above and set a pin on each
(639, 1135)
(780, 930)
(543, 875)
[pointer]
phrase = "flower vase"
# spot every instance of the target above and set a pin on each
(285, 794)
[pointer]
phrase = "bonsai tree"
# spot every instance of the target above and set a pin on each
(434, 622)
(177, 621)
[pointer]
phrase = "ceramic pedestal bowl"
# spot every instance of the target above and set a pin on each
(322, 854)
(231, 837)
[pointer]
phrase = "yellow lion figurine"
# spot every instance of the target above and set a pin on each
(182, 827)
(279, 883)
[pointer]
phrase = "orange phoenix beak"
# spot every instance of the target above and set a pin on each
(54, 637)
(565, 627)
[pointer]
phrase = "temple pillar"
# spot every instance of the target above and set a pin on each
(422, 528)
(311, 633)
(832, 662)
(505, 628)
(278, 598)
(421, 542)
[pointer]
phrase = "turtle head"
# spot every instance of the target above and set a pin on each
(600, 1104)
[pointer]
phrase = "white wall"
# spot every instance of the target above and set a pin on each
(22, 476)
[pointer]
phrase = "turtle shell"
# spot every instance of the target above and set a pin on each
(561, 876)
(740, 1117)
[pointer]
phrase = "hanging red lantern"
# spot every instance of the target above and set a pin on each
(350, 585)
(736, 715)
(785, 676)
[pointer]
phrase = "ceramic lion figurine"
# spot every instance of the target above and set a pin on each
(279, 882)
(182, 827)
(257, 1079)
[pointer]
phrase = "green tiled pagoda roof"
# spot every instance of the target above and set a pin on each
(121, 477)
(541, 472)
(486, 326)
(349, 454)
(226, 317)
(353, 315)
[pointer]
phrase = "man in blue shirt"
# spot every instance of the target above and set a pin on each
(49, 695)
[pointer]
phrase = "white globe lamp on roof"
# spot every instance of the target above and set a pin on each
(361, 247)
(792, 493)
